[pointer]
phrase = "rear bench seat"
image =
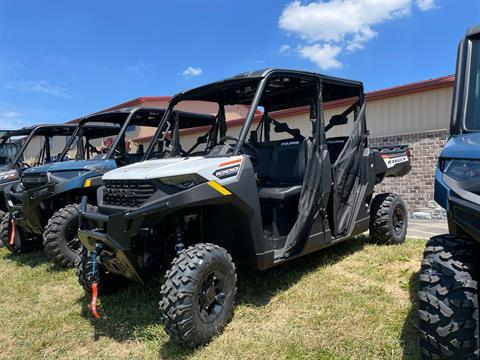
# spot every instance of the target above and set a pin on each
(280, 169)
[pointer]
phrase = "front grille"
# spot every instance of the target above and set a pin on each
(33, 180)
(127, 193)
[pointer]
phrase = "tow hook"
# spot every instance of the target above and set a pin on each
(11, 240)
(93, 276)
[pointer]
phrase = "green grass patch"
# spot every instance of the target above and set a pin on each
(354, 300)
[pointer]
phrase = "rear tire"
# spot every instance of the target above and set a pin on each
(388, 219)
(448, 299)
(23, 243)
(198, 294)
(60, 236)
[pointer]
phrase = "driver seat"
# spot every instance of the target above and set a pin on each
(283, 178)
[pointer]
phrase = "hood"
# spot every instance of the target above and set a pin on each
(154, 169)
(95, 164)
(465, 146)
(8, 175)
(157, 168)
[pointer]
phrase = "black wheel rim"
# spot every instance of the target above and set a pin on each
(398, 221)
(71, 236)
(212, 296)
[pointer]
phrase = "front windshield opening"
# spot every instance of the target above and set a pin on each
(8, 151)
(42, 149)
(93, 140)
(195, 133)
(472, 120)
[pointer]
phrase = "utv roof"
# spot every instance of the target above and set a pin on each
(60, 130)
(43, 129)
(241, 88)
(150, 117)
(474, 30)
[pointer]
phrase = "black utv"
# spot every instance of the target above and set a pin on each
(25, 148)
(259, 198)
(43, 207)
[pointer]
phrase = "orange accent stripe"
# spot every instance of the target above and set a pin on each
(12, 234)
(93, 303)
(230, 162)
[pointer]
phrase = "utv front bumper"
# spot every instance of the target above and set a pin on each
(463, 207)
(114, 233)
(27, 206)
(115, 229)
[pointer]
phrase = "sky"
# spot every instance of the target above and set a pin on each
(63, 59)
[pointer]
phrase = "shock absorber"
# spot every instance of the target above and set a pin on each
(179, 245)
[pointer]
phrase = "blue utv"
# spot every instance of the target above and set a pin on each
(448, 297)
(44, 206)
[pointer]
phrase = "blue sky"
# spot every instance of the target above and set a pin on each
(63, 59)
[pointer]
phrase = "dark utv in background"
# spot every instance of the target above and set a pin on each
(448, 297)
(249, 199)
(13, 146)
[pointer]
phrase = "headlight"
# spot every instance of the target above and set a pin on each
(60, 176)
(183, 182)
(465, 172)
(10, 176)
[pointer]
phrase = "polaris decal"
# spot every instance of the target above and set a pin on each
(391, 162)
(290, 143)
(227, 172)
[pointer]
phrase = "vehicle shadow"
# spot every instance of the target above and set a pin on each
(133, 311)
(256, 287)
(31, 259)
(410, 337)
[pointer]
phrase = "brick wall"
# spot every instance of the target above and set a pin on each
(417, 187)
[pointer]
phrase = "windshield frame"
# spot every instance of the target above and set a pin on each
(471, 73)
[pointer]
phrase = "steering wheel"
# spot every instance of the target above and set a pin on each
(223, 140)
(24, 164)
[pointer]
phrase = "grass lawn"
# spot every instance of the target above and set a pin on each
(354, 300)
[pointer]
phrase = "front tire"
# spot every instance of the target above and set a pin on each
(60, 236)
(388, 219)
(198, 294)
(448, 299)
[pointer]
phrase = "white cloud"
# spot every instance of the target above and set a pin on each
(9, 114)
(284, 48)
(140, 67)
(40, 86)
(425, 5)
(322, 55)
(192, 71)
(12, 120)
(331, 27)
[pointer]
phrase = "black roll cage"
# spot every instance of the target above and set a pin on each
(263, 77)
(38, 130)
(124, 118)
